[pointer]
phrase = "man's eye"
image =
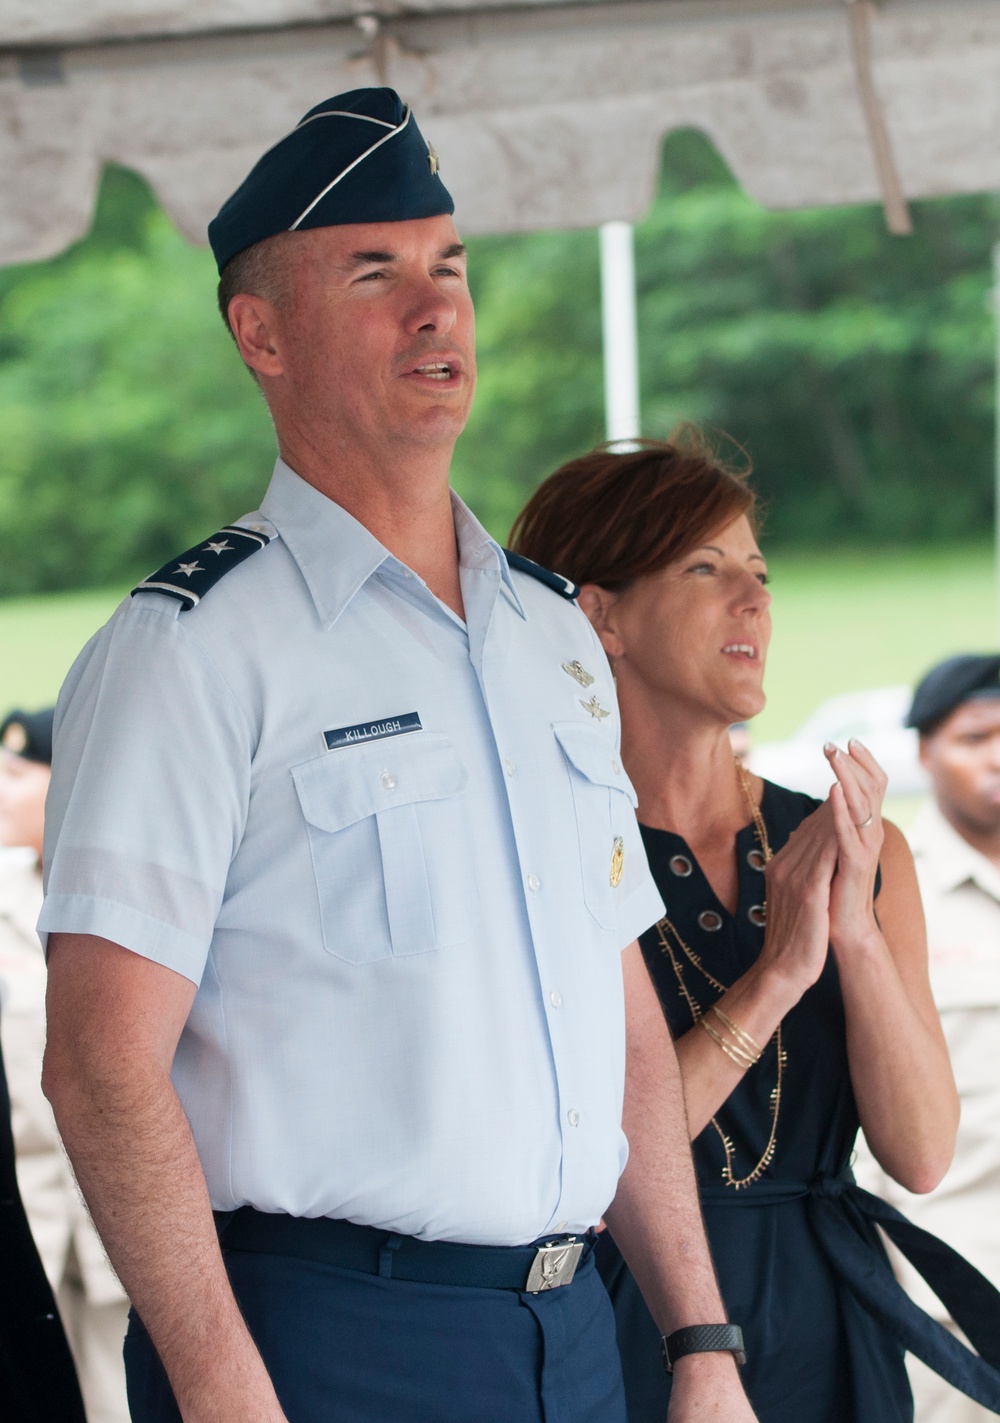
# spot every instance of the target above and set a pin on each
(763, 579)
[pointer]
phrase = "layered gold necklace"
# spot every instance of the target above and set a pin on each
(667, 931)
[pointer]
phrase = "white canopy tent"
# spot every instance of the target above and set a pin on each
(544, 114)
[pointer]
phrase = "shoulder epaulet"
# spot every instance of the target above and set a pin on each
(190, 575)
(563, 586)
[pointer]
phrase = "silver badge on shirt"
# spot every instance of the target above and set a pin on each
(579, 673)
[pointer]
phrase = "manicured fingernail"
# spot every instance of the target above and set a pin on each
(855, 742)
(831, 750)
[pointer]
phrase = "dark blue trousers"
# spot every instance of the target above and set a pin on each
(345, 1347)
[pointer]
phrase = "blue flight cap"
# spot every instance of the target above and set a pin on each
(358, 157)
(967, 678)
(29, 734)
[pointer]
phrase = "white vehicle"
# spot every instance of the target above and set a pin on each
(875, 717)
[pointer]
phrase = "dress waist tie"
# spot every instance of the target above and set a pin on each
(843, 1216)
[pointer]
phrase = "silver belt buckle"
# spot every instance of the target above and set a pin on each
(554, 1265)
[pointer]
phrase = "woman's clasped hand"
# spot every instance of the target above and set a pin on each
(855, 801)
(821, 883)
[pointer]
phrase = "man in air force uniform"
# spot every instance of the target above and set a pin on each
(343, 884)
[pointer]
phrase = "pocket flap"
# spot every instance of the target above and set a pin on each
(341, 787)
(591, 753)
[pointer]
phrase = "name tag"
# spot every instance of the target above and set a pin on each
(372, 730)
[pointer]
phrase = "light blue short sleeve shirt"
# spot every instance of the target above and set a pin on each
(398, 855)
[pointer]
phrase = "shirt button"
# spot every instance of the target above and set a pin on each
(509, 766)
(555, 998)
(534, 883)
(616, 765)
(573, 1117)
(388, 780)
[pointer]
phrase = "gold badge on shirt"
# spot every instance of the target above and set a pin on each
(617, 861)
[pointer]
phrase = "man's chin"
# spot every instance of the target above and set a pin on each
(436, 428)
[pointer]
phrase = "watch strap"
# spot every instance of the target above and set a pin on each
(703, 1339)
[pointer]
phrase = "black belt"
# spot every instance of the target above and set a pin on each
(548, 1264)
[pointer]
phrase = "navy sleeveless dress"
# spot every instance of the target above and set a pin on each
(810, 1359)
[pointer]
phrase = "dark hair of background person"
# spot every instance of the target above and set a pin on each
(613, 515)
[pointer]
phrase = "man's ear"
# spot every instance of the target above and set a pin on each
(924, 752)
(252, 320)
(599, 605)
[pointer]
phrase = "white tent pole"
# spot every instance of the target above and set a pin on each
(996, 425)
(621, 343)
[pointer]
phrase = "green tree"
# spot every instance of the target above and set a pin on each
(856, 369)
(128, 427)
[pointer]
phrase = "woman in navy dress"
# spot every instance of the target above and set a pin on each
(791, 964)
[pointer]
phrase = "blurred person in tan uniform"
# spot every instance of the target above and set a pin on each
(956, 847)
(92, 1303)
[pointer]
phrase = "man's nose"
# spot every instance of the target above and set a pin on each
(429, 309)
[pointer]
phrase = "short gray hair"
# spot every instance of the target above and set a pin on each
(257, 271)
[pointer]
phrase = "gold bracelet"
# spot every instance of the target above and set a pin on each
(743, 1038)
(742, 1059)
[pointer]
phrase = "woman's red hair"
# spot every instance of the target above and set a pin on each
(612, 516)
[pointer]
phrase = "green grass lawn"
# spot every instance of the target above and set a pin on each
(843, 621)
(846, 621)
(40, 637)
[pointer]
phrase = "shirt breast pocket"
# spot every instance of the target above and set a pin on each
(391, 847)
(605, 804)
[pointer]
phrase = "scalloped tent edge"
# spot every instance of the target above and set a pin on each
(545, 115)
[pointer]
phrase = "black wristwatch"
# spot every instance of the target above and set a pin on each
(702, 1339)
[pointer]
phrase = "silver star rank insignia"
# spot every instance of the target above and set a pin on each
(578, 673)
(188, 568)
(223, 546)
(594, 707)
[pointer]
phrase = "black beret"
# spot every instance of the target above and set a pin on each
(29, 734)
(358, 157)
(967, 678)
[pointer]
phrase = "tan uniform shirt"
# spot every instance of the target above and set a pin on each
(55, 1210)
(961, 894)
(960, 889)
